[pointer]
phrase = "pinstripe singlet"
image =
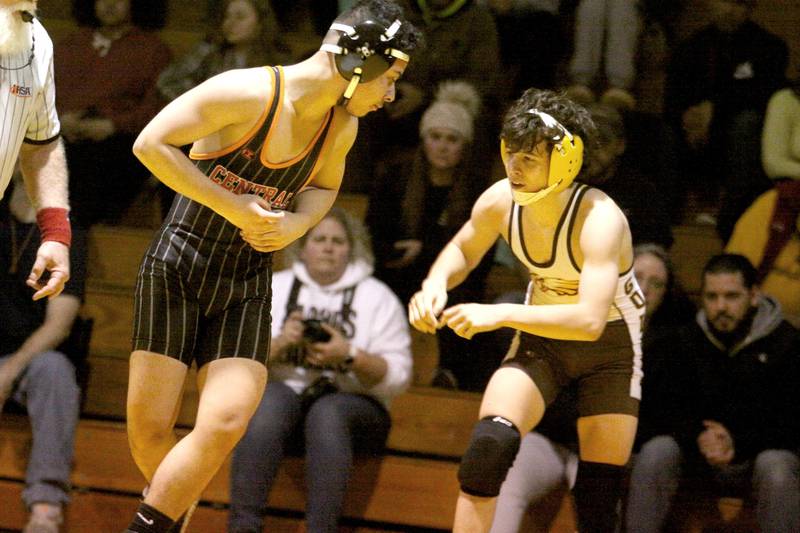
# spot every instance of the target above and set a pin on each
(199, 256)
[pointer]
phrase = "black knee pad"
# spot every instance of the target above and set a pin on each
(491, 452)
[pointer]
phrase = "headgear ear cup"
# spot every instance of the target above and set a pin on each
(566, 160)
(503, 154)
(364, 51)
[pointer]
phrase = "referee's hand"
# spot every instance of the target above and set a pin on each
(50, 271)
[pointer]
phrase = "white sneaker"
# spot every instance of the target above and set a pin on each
(44, 518)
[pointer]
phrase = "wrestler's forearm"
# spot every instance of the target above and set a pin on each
(578, 322)
(313, 204)
(450, 268)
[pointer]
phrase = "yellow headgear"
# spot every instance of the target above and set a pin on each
(566, 159)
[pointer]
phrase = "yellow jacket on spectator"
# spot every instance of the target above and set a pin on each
(750, 238)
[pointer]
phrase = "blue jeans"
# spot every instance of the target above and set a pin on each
(774, 478)
(335, 427)
(49, 392)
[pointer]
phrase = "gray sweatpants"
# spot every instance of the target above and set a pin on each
(606, 32)
(48, 390)
(774, 476)
(542, 474)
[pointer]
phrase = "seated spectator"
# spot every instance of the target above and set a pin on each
(606, 33)
(625, 177)
(768, 234)
(734, 414)
(780, 139)
(105, 75)
(667, 309)
(454, 50)
(340, 351)
(660, 23)
(35, 373)
(546, 464)
(418, 203)
(247, 36)
(718, 85)
(522, 26)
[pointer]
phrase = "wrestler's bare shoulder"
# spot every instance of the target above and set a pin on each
(492, 208)
(250, 86)
(496, 199)
(600, 205)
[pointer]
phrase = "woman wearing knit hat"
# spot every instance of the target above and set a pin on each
(421, 199)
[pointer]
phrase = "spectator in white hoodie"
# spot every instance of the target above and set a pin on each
(340, 351)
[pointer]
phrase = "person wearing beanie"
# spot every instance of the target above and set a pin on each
(420, 200)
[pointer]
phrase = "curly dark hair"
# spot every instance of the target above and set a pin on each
(384, 12)
(523, 130)
(145, 14)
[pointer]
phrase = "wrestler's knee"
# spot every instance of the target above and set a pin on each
(494, 445)
(224, 429)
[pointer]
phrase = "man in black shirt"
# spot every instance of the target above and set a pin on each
(33, 371)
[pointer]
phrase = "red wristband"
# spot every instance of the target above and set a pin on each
(54, 225)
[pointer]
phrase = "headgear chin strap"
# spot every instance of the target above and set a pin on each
(364, 52)
(526, 198)
(566, 159)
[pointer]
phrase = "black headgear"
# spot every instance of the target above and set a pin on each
(364, 51)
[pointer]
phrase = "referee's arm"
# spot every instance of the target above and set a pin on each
(44, 167)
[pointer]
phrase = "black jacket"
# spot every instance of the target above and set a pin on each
(736, 71)
(753, 388)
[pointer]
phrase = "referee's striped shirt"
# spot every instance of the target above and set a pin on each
(27, 100)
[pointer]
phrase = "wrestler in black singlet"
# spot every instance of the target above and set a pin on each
(203, 293)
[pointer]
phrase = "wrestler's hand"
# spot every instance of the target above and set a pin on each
(426, 305)
(51, 257)
(468, 319)
(249, 212)
(283, 228)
